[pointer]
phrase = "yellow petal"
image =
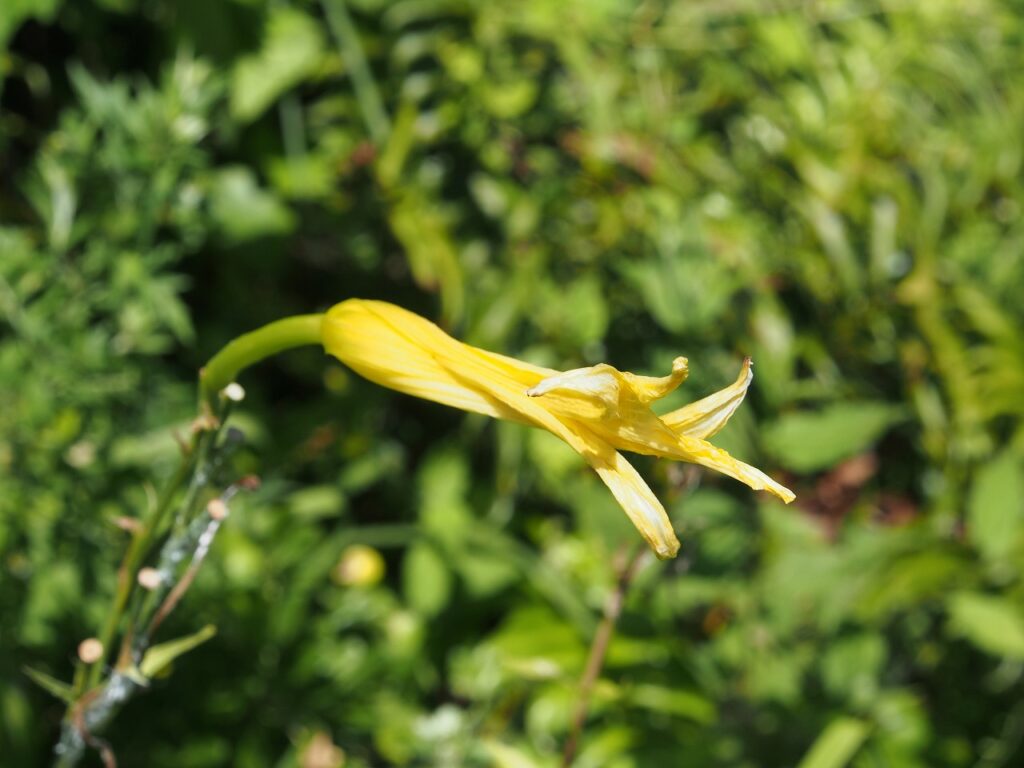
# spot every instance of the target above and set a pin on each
(639, 502)
(605, 400)
(582, 393)
(706, 417)
(398, 349)
(401, 350)
(656, 439)
(603, 392)
(704, 453)
(633, 494)
(609, 404)
(488, 373)
(595, 410)
(651, 388)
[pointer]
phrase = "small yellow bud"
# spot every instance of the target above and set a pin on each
(359, 566)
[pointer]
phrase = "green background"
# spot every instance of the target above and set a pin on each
(833, 188)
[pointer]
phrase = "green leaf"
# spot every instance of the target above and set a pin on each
(509, 100)
(912, 578)
(51, 685)
(443, 481)
(157, 658)
(52, 593)
(538, 644)
(426, 579)
(483, 574)
(587, 322)
(374, 465)
(422, 228)
(507, 756)
(992, 624)
(852, 666)
(245, 211)
(807, 442)
(675, 701)
(293, 48)
(14, 12)
(307, 177)
(317, 502)
(995, 510)
(17, 721)
(684, 292)
(837, 744)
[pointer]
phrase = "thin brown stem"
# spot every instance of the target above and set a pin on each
(627, 565)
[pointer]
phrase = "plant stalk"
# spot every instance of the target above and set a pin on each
(627, 566)
(221, 370)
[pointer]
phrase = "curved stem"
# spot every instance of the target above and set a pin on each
(218, 373)
(250, 348)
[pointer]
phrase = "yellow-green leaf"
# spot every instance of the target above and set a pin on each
(996, 508)
(807, 442)
(293, 48)
(993, 624)
(51, 685)
(160, 656)
(837, 744)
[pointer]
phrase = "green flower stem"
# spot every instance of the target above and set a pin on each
(250, 348)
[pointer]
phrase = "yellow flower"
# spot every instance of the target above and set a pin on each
(598, 411)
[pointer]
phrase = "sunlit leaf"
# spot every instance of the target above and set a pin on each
(292, 50)
(837, 744)
(244, 210)
(160, 656)
(995, 511)
(426, 579)
(807, 442)
(992, 624)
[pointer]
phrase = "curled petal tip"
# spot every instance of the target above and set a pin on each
(666, 551)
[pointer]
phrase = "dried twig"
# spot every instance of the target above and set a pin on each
(627, 565)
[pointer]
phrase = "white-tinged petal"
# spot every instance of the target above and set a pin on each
(582, 393)
(639, 502)
(601, 391)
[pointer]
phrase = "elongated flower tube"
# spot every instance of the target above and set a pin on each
(598, 411)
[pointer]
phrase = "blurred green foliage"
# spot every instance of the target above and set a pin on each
(833, 188)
